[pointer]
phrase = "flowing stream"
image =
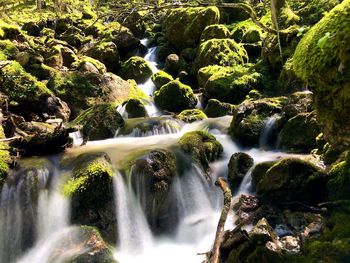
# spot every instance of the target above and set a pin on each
(34, 214)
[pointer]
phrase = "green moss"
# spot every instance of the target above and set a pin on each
(222, 52)
(259, 171)
(135, 108)
(91, 180)
(192, 115)
(183, 26)
(99, 122)
(339, 181)
(82, 60)
(216, 109)
(161, 78)
(136, 68)
(231, 84)
(202, 146)
(247, 32)
(10, 31)
(215, 31)
(175, 97)
(4, 157)
(8, 50)
(20, 86)
(322, 60)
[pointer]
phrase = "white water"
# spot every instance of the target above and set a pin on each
(266, 132)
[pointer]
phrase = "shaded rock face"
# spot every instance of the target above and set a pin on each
(152, 176)
(293, 179)
(239, 165)
(99, 122)
(91, 190)
(183, 27)
(322, 60)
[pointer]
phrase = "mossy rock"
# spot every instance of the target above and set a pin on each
(222, 52)
(293, 179)
(216, 109)
(99, 122)
(184, 26)
(215, 31)
(238, 166)
(299, 102)
(8, 50)
(231, 84)
(81, 65)
(105, 52)
(175, 97)
(82, 91)
(4, 157)
(259, 171)
(135, 108)
(247, 32)
(339, 181)
(192, 115)
(10, 31)
(136, 68)
(321, 60)
(299, 134)
(161, 78)
(202, 147)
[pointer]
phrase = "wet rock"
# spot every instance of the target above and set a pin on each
(135, 108)
(262, 233)
(152, 177)
(238, 166)
(91, 191)
(99, 122)
(183, 27)
(298, 102)
(290, 245)
(175, 64)
(300, 132)
(136, 68)
(293, 179)
(259, 171)
(216, 109)
(161, 78)
(191, 115)
(245, 206)
(175, 97)
(202, 147)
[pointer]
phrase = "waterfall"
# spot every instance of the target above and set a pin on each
(266, 138)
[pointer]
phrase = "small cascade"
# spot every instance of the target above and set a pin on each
(77, 138)
(267, 138)
(133, 230)
(246, 184)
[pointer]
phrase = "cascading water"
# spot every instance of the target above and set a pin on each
(266, 138)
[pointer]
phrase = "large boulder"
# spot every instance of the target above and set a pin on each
(202, 147)
(8, 50)
(300, 132)
(231, 84)
(83, 90)
(250, 118)
(238, 166)
(90, 188)
(293, 179)
(222, 52)
(215, 31)
(191, 115)
(161, 78)
(184, 26)
(99, 122)
(27, 94)
(175, 97)
(216, 109)
(322, 61)
(135, 108)
(136, 68)
(152, 178)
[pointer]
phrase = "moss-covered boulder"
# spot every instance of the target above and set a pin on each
(184, 26)
(87, 64)
(259, 171)
(293, 179)
(152, 176)
(300, 132)
(106, 52)
(175, 97)
(99, 122)
(238, 166)
(215, 31)
(216, 109)
(135, 108)
(8, 50)
(175, 64)
(322, 60)
(231, 84)
(90, 188)
(83, 90)
(136, 68)
(191, 115)
(28, 94)
(4, 157)
(161, 78)
(222, 52)
(298, 102)
(202, 147)
(250, 118)
(339, 181)
(247, 32)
